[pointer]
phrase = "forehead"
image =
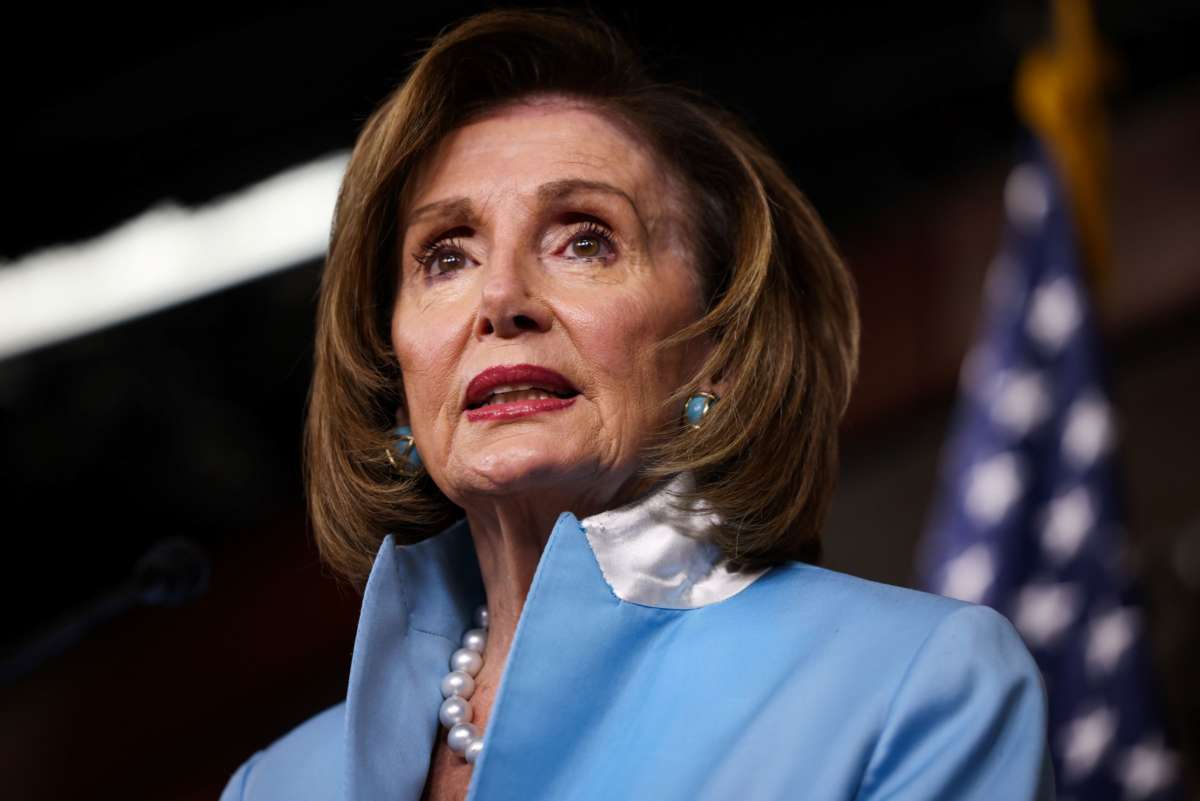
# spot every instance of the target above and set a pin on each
(517, 148)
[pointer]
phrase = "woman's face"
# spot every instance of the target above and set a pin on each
(541, 235)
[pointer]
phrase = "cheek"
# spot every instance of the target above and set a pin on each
(427, 361)
(612, 333)
(616, 340)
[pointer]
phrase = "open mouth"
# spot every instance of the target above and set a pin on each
(506, 384)
(514, 394)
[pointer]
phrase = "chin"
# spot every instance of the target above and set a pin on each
(505, 470)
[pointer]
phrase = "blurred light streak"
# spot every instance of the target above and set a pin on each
(167, 255)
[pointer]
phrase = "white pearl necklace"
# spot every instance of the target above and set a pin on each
(458, 685)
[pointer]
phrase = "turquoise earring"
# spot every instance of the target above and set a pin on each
(697, 407)
(403, 455)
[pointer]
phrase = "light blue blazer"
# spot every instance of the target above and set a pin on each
(642, 669)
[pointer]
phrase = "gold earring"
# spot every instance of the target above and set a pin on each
(405, 448)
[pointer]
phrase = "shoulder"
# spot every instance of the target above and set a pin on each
(801, 578)
(901, 633)
(838, 608)
(304, 763)
(887, 640)
(959, 704)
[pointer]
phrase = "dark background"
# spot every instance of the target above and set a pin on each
(896, 121)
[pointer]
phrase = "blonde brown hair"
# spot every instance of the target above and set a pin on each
(779, 302)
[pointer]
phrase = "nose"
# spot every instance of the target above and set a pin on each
(508, 302)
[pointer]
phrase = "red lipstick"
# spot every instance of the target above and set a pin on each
(516, 376)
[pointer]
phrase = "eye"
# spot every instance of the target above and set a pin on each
(596, 239)
(441, 255)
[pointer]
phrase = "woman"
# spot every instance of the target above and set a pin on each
(617, 343)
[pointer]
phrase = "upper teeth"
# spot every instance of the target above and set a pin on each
(516, 392)
(512, 388)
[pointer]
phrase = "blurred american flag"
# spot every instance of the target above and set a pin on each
(1028, 516)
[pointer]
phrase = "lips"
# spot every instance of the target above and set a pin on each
(484, 385)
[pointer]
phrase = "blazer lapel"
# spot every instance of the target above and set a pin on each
(418, 601)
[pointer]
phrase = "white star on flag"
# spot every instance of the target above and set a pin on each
(1109, 636)
(993, 486)
(1021, 400)
(1054, 314)
(1146, 768)
(969, 574)
(1088, 433)
(1026, 196)
(1086, 739)
(1044, 610)
(1069, 518)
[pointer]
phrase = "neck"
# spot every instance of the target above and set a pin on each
(510, 534)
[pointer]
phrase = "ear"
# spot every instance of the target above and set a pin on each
(717, 384)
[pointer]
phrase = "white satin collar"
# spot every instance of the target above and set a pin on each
(655, 555)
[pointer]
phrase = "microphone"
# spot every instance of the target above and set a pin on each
(171, 573)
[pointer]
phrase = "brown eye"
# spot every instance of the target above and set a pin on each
(591, 241)
(590, 247)
(444, 261)
(442, 255)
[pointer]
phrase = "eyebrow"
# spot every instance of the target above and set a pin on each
(546, 193)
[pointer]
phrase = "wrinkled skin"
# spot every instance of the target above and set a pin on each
(523, 282)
